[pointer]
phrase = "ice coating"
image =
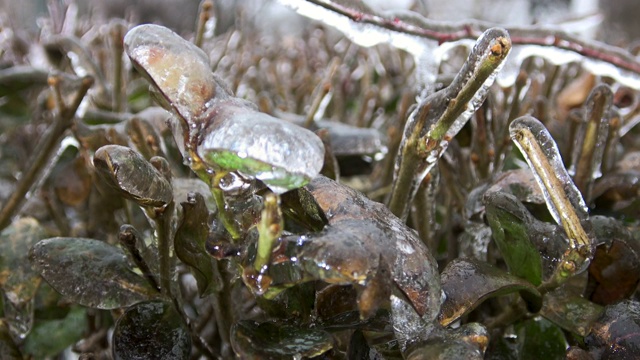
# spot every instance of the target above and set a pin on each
(439, 117)
(177, 68)
(280, 154)
(420, 36)
(587, 158)
(564, 200)
(213, 126)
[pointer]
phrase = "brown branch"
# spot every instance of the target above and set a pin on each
(442, 32)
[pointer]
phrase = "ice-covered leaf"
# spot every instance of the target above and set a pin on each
(177, 68)
(510, 224)
(616, 334)
(132, 175)
(467, 283)
(17, 280)
(281, 155)
(270, 341)
(571, 312)
(89, 272)
(520, 183)
(225, 132)
(363, 238)
(466, 342)
(50, 337)
(190, 240)
(151, 330)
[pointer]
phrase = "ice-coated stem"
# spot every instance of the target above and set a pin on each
(442, 32)
(225, 215)
(129, 238)
(51, 139)
(562, 197)
(205, 13)
(440, 116)
(269, 228)
(588, 157)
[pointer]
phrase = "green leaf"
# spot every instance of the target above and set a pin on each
(90, 272)
(151, 330)
(268, 341)
(190, 241)
(50, 337)
(467, 283)
(18, 281)
(540, 339)
(132, 175)
(510, 223)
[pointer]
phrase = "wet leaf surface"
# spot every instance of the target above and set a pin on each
(510, 223)
(569, 311)
(190, 240)
(520, 183)
(540, 339)
(127, 171)
(50, 337)
(615, 268)
(616, 335)
(467, 283)
(17, 280)
(151, 330)
(270, 341)
(89, 272)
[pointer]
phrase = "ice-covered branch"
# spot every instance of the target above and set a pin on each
(412, 32)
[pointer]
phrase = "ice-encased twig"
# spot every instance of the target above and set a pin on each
(564, 200)
(587, 158)
(414, 33)
(439, 117)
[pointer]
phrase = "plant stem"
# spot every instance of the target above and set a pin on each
(402, 193)
(129, 239)
(440, 116)
(165, 234)
(204, 14)
(226, 216)
(269, 228)
(62, 122)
